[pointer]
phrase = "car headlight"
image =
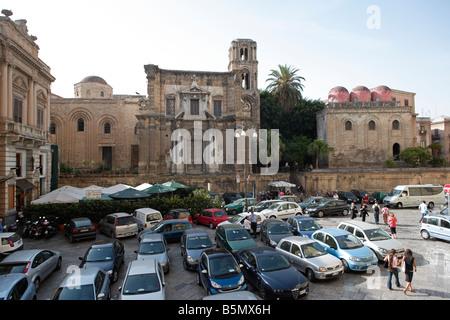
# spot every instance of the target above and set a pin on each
(355, 259)
(273, 243)
(215, 285)
(383, 250)
(322, 269)
(190, 259)
(109, 272)
(241, 280)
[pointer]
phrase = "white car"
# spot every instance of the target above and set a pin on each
(240, 217)
(282, 210)
(10, 242)
(144, 280)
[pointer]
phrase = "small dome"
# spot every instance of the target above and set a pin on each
(381, 93)
(338, 94)
(94, 79)
(362, 94)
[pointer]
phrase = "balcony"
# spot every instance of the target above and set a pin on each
(18, 132)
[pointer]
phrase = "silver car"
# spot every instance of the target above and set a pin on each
(154, 245)
(308, 256)
(373, 237)
(16, 286)
(38, 264)
(119, 225)
(84, 284)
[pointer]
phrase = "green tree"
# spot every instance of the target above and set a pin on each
(285, 86)
(415, 156)
(296, 150)
(319, 148)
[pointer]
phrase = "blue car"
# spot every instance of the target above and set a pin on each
(16, 286)
(345, 246)
(303, 226)
(272, 274)
(218, 272)
(171, 229)
(193, 243)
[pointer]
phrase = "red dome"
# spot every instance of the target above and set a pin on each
(383, 93)
(338, 94)
(361, 93)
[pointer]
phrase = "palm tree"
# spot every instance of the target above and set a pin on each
(285, 86)
(319, 148)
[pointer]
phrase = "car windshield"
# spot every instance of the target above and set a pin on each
(348, 241)
(99, 254)
(77, 292)
(278, 228)
(152, 247)
(238, 234)
(13, 268)
(235, 219)
(377, 234)
(220, 214)
(141, 284)
(153, 216)
(199, 242)
(183, 214)
(272, 263)
(223, 267)
(274, 206)
(308, 225)
(395, 192)
(312, 250)
(83, 224)
(123, 221)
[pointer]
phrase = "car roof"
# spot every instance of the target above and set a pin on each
(360, 224)
(301, 218)
(213, 209)
(334, 232)
(171, 221)
(261, 250)
(80, 276)
(103, 243)
(195, 232)
(8, 280)
(231, 226)
(299, 240)
(22, 255)
(150, 237)
(147, 210)
(119, 214)
(179, 210)
(284, 202)
(142, 266)
(6, 234)
(216, 251)
(273, 221)
(439, 216)
(80, 219)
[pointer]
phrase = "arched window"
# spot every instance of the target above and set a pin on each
(395, 125)
(52, 128)
(348, 126)
(80, 124)
(372, 125)
(107, 128)
(396, 151)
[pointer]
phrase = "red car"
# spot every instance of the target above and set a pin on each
(211, 217)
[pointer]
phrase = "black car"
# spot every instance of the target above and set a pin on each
(273, 230)
(348, 197)
(361, 193)
(229, 197)
(328, 207)
(80, 228)
(108, 256)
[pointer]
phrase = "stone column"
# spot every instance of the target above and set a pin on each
(4, 90)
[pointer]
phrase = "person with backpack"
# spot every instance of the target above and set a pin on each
(376, 212)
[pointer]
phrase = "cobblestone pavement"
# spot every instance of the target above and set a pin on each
(431, 282)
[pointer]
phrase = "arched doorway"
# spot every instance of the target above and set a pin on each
(396, 151)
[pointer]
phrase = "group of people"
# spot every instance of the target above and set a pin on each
(388, 217)
(408, 265)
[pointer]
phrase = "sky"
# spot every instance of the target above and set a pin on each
(401, 44)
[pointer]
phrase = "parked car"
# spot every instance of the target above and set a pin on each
(84, 284)
(240, 218)
(16, 286)
(193, 243)
(348, 197)
(118, 225)
(239, 205)
(260, 206)
(289, 199)
(144, 280)
(328, 207)
(233, 237)
(154, 246)
(229, 197)
(80, 228)
(435, 226)
(373, 237)
(10, 242)
(210, 217)
(282, 210)
(147, 218)
(171, 229)
(273, 230)
(108, 256)
(302, 226)
(361, 193)
(235, 295)
(345, 246)
(218, 272)
(309, 256)
(179, 214)
(379, 195)
(37, 264)
(310, 201)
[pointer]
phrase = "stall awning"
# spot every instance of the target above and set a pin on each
(24, 184)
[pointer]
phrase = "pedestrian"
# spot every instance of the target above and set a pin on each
(247, 224)
(392, 221)
(376, 212)
(423, 210)
(253, 223)
(409, 267)
(365, 199)
(353, 211)
(364, 212)
(385, 212)
(392, 263)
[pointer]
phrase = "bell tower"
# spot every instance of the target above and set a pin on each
(242, 55)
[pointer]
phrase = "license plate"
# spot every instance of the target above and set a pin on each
(84, 230)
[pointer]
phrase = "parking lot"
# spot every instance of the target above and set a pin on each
(431, 282)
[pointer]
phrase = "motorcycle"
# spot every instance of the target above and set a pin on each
(46, 229)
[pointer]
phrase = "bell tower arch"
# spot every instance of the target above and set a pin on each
(242, 56)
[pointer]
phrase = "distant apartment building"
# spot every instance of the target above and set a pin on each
(440, 133)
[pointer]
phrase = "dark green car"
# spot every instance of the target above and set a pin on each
(238, 205)
(380, 195)
(233, 237)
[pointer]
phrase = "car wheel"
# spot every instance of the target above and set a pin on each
(37, 283)
(115, 276)
(198, 280)
(344, 212)
(58, 264)
(320, 214)
(211, 226)
(310, 274)
(345, 264)
(425, 234)
(272, 217)
(261, 292)
(431, 205)
(399, 205)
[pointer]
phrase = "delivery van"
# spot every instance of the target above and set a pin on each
(147, 217)
(412, 195)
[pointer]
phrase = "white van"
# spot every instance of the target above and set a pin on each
(147, 217)
(413, 195)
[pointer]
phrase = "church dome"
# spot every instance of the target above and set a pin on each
(361, 93)
(338, 94)
(381, 93)
(94, 79)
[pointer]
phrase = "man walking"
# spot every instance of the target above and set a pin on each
(423, 210)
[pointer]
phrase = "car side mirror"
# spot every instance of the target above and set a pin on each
(205, 271)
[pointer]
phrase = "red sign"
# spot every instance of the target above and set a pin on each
(447, 188)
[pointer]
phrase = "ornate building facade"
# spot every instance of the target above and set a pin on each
(25, 151)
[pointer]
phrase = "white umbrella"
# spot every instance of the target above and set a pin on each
(116, 188)
(143, 186)
(62, 195)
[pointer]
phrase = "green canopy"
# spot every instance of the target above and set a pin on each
(174, 184)
(158, 188)
(129, 193)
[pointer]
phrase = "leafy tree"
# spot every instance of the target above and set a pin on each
(319, 148)
(286, 86)
(415, 156)
(435, 147)
(296, 150)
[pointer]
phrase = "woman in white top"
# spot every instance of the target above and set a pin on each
(392, 263)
